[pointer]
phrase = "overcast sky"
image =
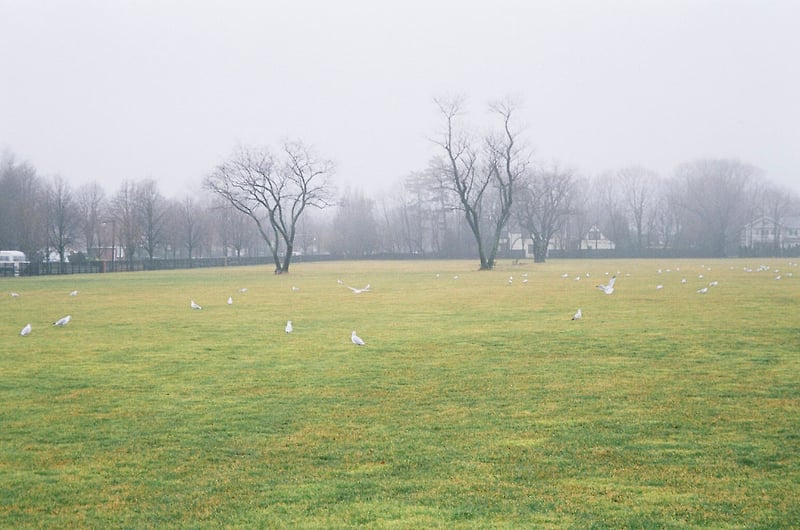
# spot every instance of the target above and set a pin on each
(111, 90)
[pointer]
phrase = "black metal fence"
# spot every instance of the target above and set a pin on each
(99, 267)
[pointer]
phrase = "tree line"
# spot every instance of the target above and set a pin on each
(478, 193)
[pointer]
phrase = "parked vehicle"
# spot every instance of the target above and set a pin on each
(12, 262)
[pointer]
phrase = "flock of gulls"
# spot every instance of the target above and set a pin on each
(607, 288)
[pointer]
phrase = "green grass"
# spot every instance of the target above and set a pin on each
(476, 403)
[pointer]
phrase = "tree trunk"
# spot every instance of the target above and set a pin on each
(539, 250)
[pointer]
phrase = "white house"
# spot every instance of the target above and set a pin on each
(764, 232)
(522, 246)
(594, 239)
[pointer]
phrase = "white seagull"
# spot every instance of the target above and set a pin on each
(365, 289)
(609, 287)
(14, 295)
(704, 290)
(25, 331)
(577, 315)
(73, 293)
(63, 321)
(356, 339)
(288, 328)
(230, 300)
(243, 290)
(194, 305)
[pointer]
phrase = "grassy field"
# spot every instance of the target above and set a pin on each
(476, 403)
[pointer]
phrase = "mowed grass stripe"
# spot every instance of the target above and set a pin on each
(476, 402)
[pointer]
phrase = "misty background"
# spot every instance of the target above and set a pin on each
(104, 92)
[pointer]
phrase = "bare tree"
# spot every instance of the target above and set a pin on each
(470, 170)
(191, 226)
(274, 191)
(608, 208)
(62, 218)
(715, 195)
(152, 215)
(544, 206)
(354, 228)
(127, 221)
(639, 188)
(90, 201)
(777, 203)
(22, 208)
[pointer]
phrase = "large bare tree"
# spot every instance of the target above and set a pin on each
(274, 191)
(472, 169)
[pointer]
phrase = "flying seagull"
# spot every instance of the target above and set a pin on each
(194, 305)
(63, 321)
(609, 287)
(73, 293)
(365, 289)
(704, 290)
(356, 339)
(288, 328)
(577, 315)
(25, 331)
(243, 290)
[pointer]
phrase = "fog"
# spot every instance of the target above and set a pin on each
(99, 91)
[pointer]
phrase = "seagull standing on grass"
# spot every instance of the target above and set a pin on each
(14, 295)
(609, 287)
(25, 331)
(73, 293)
(61, 322)
(704, 290)
(356, 339)
(194, 305)
(230, 300)
(288, 328)
(578, 315)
